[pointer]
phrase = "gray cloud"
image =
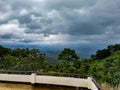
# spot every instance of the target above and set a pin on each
(83, 21)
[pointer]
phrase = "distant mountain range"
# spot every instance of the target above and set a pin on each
(83, 51)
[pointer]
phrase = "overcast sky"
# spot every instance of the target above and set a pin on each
(48, 22)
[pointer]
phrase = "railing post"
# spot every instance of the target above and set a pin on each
(77, 88)
(89, 83)
(33, 76)
(92, 84)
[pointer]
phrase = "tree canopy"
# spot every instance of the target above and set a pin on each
(68, 55)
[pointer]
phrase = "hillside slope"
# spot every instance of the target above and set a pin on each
(107, 69)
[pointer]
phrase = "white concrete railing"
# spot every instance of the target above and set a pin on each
(54, 80)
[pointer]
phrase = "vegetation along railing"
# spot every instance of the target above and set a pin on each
(46, 73)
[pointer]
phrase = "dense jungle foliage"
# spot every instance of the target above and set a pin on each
(104, 66)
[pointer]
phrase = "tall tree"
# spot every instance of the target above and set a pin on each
(101, 54)
(4, 51)
(68, 55)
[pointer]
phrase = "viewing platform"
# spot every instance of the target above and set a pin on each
(61, 79)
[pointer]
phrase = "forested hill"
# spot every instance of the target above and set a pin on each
(104, 66)
(100, 54)
(107, 69)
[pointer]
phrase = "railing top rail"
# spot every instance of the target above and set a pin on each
(16, 72)
(97, 85)
(64, 74)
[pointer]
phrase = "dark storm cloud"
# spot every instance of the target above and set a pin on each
(25, 41)
(61, 4)
(7, 36)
